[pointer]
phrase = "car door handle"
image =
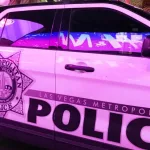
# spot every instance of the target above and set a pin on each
(72, 67)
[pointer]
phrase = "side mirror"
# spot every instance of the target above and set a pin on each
(146, 47)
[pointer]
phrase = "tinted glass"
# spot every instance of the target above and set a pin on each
(56, 28)
(104, 31)
(2, 24)
(28, 29)
(64, 34)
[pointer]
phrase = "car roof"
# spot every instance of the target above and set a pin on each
(115, 2)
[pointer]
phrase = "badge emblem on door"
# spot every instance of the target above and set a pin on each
(12, 85)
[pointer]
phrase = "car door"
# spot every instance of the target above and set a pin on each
(27, 71)
(102, 82)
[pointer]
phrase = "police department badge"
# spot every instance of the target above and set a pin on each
(12, 85)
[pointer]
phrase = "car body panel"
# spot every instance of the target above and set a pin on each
(76, 107)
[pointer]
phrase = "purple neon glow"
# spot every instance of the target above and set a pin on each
(23, 27)
(29, 36)
(33, 40)
(126, 42)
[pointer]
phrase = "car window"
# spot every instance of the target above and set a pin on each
(2, 24)
(28, 29)
(104, 30)
(64, 34)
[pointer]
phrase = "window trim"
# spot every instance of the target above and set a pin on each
(30, 8)
(114, 7)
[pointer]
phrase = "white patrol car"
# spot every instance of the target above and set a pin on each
(76, 75)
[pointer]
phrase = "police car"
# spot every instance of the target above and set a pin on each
(75, 75)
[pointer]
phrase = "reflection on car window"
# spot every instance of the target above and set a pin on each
(104, 42)
(28, 29)
(106, 31)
